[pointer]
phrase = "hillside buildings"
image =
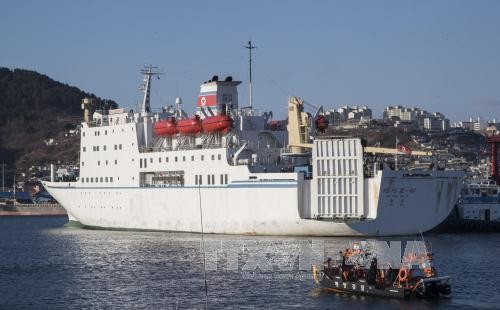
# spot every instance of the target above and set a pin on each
(349, 117)
(417, 118)
(471, 124)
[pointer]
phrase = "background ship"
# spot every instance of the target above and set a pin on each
(245, 172)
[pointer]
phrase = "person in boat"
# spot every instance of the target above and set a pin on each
(389, 275)
(346, 268)
(371, 276)
(330, 267)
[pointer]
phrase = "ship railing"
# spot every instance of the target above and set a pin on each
(150, 185)
(152, 149)
(211, 145)
(249, 112)
(105, 122)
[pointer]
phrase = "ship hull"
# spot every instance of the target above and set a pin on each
(271, 208)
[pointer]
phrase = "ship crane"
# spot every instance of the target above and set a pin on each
(494, 141)
(298, 131)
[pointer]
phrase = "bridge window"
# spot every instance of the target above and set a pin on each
(192, 158)
(208, 179)
(98, 162)
(219, 157)
(110, 179)
(103, 147)
(100, 180)
(84, 149)
(120, 146)
(183, 158)
(106, 179)
(225, 179)
(213, 157)
(116, 146)
(159, 159)
(202, 157)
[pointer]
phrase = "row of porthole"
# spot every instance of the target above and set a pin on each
(144, 162)
(97, 179)
(100, 207)
(95, 148)
(198, 179)
(98, 133)
(468, 211)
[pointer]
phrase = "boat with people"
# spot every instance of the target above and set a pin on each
(358, 272)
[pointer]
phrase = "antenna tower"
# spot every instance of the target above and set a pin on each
(250, 47)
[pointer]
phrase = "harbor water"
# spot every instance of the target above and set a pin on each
(44, 264)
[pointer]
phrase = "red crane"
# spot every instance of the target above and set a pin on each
(495, 146)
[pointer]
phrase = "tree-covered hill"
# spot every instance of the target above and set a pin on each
(34, 108)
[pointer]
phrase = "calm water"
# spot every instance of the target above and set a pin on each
(46, 265)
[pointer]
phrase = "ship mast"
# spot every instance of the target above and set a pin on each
(250, 47)
(148, 72)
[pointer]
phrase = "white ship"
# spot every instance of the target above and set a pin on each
(241, 174)
(480, 201)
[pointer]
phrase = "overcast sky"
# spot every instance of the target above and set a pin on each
(438, 55)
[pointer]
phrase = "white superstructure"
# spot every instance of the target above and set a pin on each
(480, 201)
(244, 177)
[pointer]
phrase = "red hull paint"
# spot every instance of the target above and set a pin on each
(190, 126)
(217, 123)
(165, 128)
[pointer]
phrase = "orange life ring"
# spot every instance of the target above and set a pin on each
(403, 274)
(429, 273)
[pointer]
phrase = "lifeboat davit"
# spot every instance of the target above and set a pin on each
(321, 123)
(190, 126)
(217, 123)
(165, 128)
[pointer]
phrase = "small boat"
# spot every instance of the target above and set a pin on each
(190, 126)
(405, 283)
(165, 128)
(217, 123)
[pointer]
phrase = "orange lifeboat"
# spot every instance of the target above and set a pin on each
(217, 123)
(165, 128)
(190, 126)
